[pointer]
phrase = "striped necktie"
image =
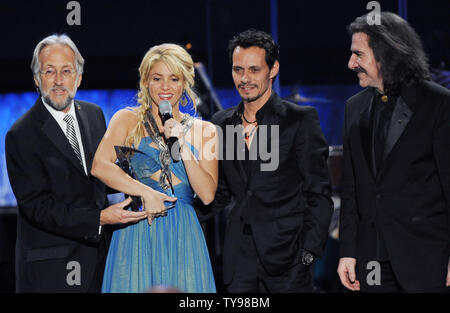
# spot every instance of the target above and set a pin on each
(70, 133)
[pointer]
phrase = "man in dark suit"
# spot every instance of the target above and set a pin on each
(274, 170)
(395, 214)
(49, 150)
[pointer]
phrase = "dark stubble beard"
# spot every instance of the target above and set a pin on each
(250, 99)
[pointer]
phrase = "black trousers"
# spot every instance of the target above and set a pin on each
(251, 277)
(97, 280)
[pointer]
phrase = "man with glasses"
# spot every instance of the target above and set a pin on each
(60, 244)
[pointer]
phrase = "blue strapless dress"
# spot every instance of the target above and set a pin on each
(172, 252)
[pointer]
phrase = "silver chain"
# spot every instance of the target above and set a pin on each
(165, 179)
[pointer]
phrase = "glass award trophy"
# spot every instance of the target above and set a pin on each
(124, 154)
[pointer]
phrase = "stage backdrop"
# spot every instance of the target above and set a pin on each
(329, 101)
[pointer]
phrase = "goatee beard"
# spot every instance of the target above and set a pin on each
(59, 106)
(56, 106)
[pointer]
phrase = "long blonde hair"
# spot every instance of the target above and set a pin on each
(180, 63)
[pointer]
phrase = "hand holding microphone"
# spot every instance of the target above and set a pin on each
(172, 129)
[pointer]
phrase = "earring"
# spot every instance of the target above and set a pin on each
(184, 99)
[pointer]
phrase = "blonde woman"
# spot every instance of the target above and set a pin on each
(169, 249)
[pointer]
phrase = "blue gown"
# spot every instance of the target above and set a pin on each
(172, 252)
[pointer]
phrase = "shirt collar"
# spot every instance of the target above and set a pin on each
(266, 109)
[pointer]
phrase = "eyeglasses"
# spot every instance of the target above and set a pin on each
(51, 73)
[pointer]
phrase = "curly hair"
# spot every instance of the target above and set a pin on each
(180, 63)
(398, 49)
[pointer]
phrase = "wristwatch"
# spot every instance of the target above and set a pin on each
(307, 258)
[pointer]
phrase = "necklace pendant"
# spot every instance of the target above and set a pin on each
(164, 156)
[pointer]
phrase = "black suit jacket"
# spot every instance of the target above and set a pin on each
(409, 197)
(288, 208)
(58, 205)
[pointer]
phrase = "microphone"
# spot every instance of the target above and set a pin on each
(165, 109)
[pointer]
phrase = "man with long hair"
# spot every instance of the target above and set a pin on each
(395, 214)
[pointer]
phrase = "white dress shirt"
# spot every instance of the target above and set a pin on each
(59, 117)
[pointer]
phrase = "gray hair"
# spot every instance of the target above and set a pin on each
(54, 40)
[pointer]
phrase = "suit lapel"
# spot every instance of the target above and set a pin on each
(238, 162)
(55, 134)
(235, 161)
(263, 139)
(400, 118)
(85, 131)
(365, 138)
(254, 156)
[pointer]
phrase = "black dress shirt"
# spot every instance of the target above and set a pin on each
(382, 115)
(381, 119)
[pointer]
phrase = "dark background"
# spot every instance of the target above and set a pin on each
(114, 36)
